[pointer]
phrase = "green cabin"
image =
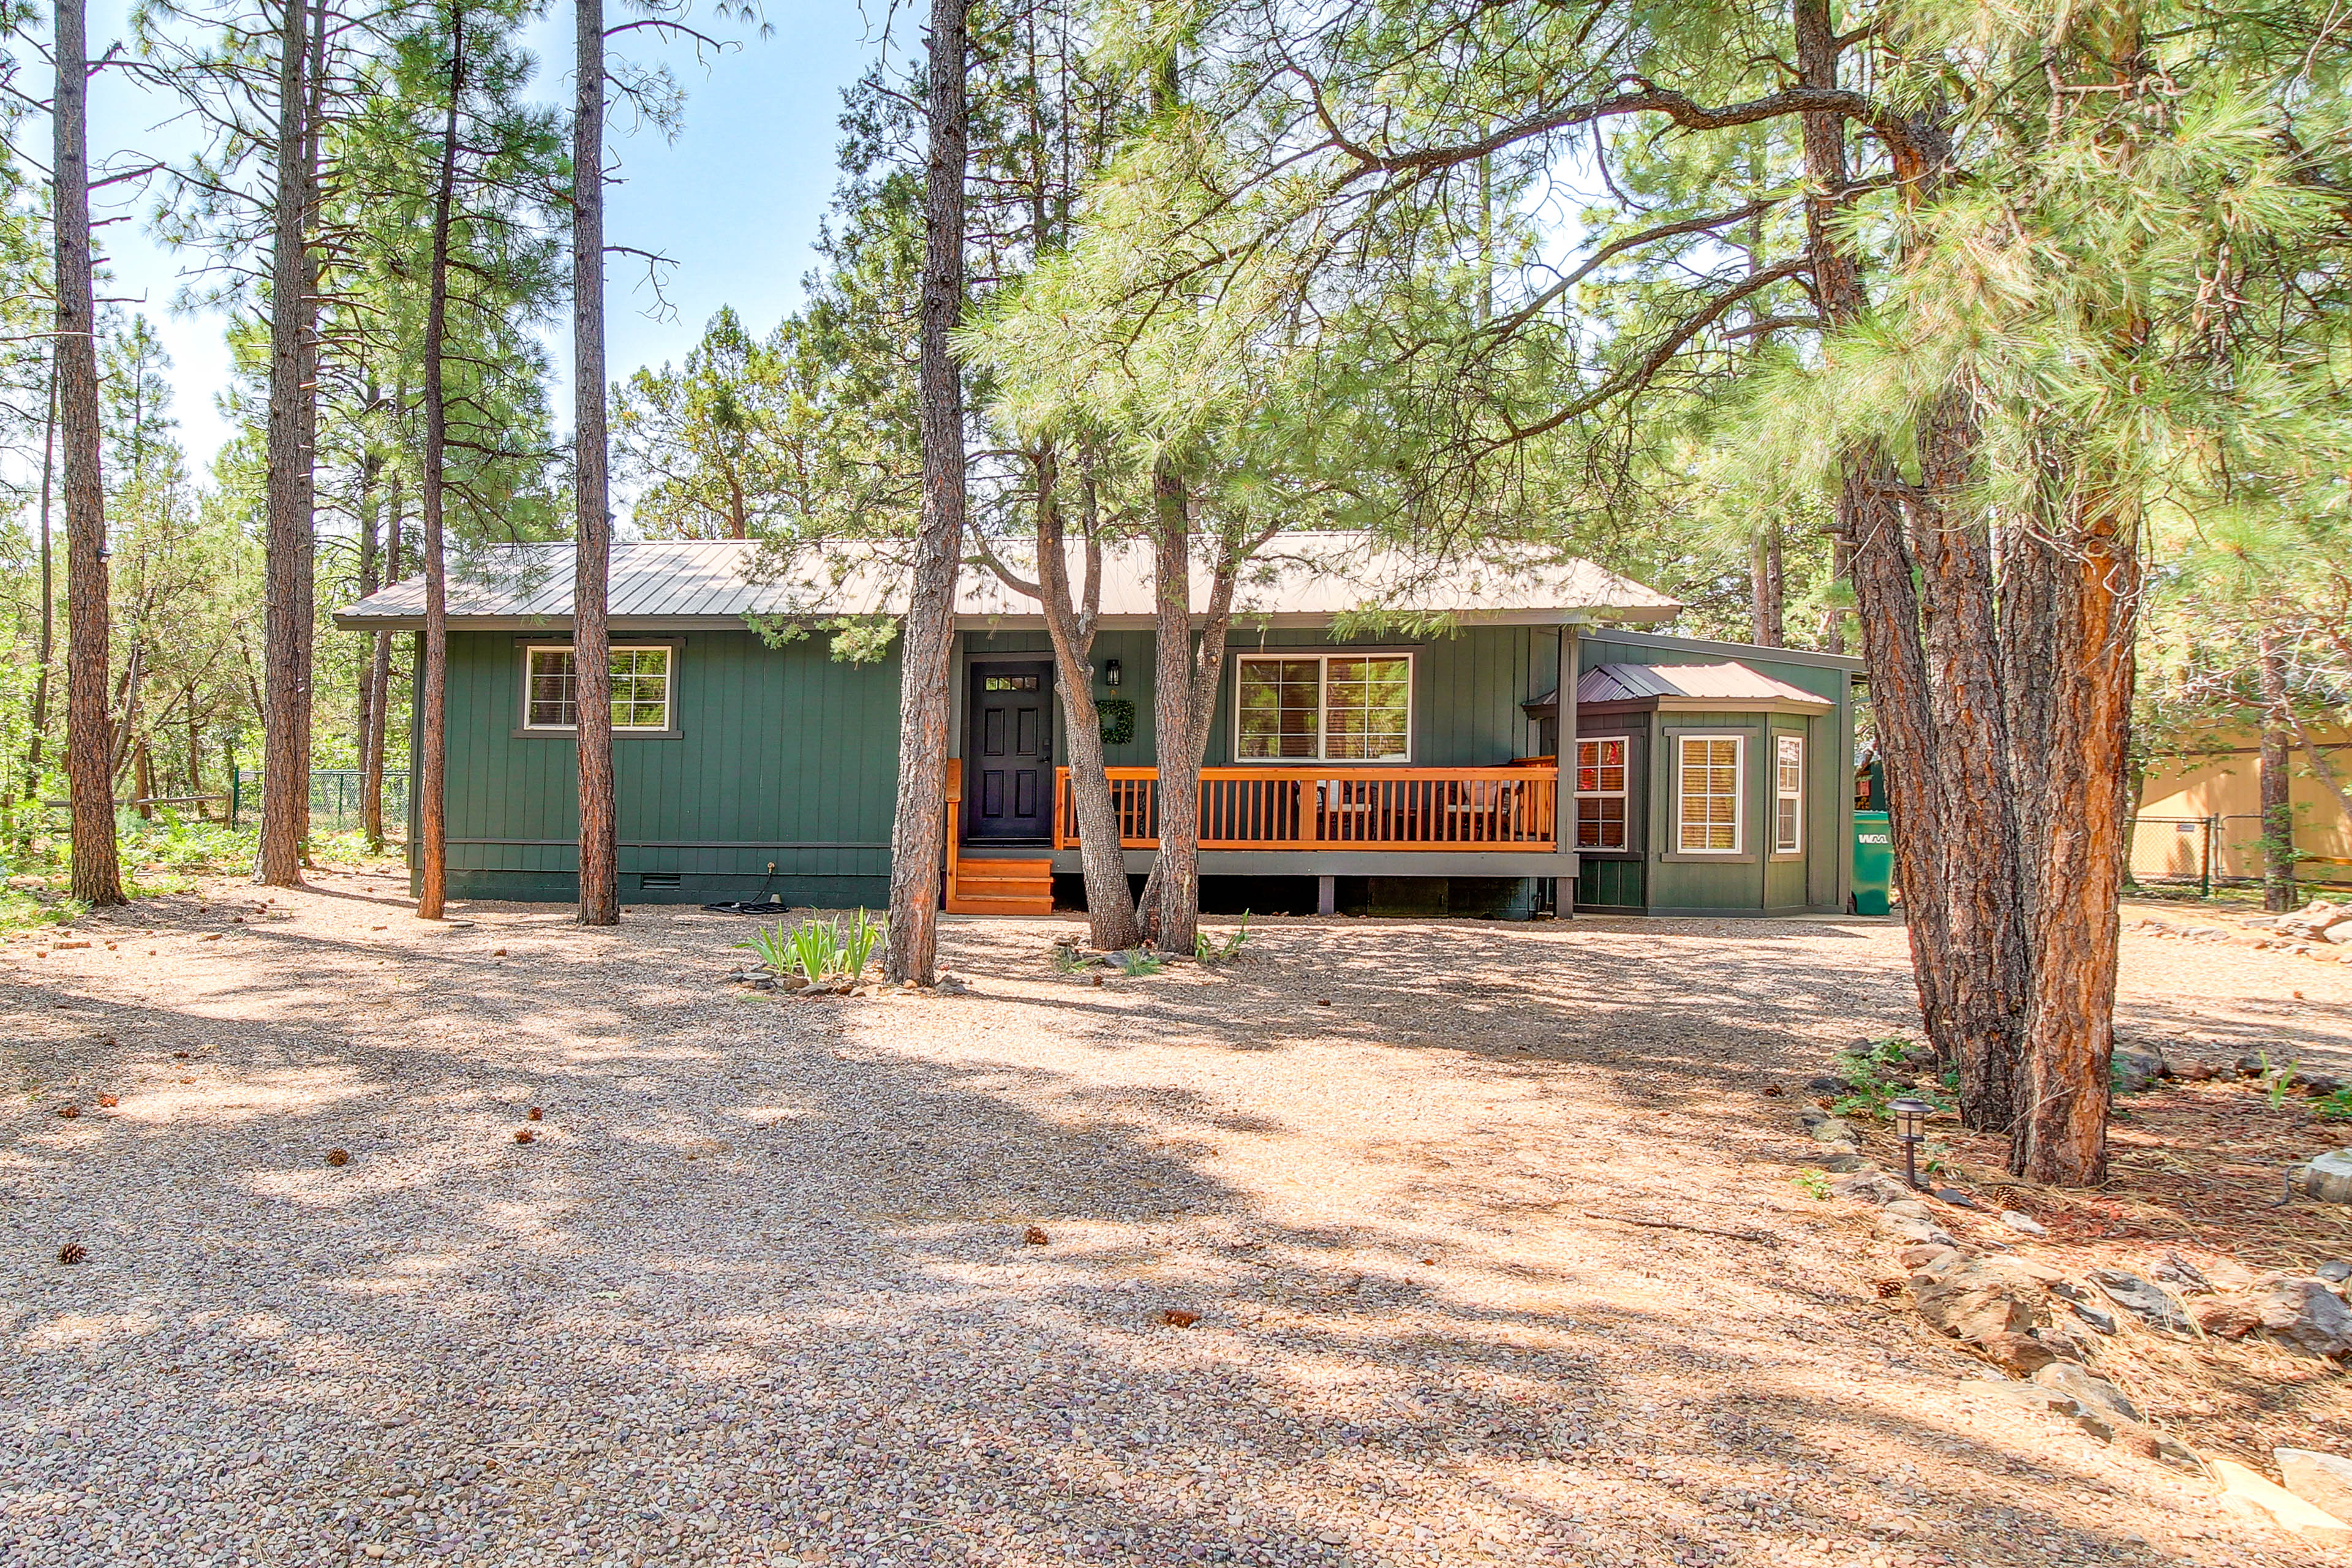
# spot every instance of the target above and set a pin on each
(1348, 770)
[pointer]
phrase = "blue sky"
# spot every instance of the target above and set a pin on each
(736, 200)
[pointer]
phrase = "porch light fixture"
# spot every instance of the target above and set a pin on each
(1110, 672)
(1910, 1127)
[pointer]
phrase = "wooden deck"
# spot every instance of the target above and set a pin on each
(1514, 807)
(1325, 807)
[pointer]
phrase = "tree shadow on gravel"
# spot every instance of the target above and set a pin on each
(761, 1287)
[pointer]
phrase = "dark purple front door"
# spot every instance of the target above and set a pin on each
(1009, 753)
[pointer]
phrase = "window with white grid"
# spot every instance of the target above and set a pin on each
(1600, 793)
(1706, 794)
(641, 688)
(1334, 708)
(1788, 794)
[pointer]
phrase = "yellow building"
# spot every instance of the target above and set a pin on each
(2213, 794)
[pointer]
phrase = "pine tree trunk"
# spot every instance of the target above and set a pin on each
(305, 622)
(1950, 963)
(1769, 590)
(1111, 910)
(38, 723)
(591, 661)
(1841, 572)
(89, 770)
(2085, 597)
(195, 757)
(127, 690)
(917, 843)
(431, 698)
(1172, 896)
(286, 597)
(1981, 959)
(2277, 782)
(380, 686)
(1186, 682)
(371, 465)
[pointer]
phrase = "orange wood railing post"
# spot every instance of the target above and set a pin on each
(955, 800)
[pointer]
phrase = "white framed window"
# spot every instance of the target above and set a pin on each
(1601, 791)
(1324, 706)
(1707, 817)
(1788, 795)
(640, 688)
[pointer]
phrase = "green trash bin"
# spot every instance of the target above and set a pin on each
(1873, 862)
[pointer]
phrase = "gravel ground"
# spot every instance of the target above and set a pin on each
(758, 1290)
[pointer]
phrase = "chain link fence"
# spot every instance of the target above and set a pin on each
(2209, 852)
(336, 797)
(2173, 851)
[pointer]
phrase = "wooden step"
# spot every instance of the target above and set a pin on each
(1001, 887)
(970, 904)
(985, 880)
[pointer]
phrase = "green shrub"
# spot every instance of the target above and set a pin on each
(818, 949)
(856, 944)
(773, 946)
(1209, 952)
(2277, 1080)
(1872, 1089)
(813, 949)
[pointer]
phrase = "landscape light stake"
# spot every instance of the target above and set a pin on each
(1910, 1126)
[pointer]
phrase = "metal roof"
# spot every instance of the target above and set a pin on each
(1309, 577)
(1729, 683)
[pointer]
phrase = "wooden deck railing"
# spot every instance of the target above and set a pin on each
(1328, 807)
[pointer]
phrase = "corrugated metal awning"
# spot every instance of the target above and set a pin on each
(1729, 683)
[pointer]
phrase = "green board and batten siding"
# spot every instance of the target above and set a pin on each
(783, 754)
